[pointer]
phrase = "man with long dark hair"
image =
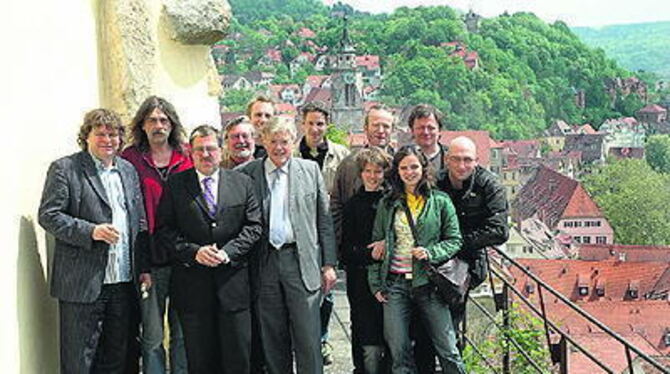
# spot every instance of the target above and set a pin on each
(157, 151)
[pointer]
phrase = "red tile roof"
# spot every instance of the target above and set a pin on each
(608, 351)
(273, 54)
(370, 62)
(562, 275)
(316, 80)
(304, 32)
(653, 108)
(581, 205)
(522, 148)
(585, 129)
(285, 108)
(629, 253)
(546, 196)
(481, 138)
(318, 94)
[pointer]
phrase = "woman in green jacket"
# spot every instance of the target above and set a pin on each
(397, 279)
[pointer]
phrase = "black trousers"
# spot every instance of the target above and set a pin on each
(216, 340)
(94, 337)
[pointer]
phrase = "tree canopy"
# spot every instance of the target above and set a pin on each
(528, 73)
(634, 198)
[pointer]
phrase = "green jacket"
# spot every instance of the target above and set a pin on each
(437, 230)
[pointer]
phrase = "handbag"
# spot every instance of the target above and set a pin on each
(451, 278)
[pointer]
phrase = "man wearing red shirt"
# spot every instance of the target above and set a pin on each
(157, 150)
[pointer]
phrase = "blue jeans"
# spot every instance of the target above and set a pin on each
(326, 310)
(153, 312)
(434, 313)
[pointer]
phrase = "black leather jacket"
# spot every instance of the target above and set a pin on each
(482, 209)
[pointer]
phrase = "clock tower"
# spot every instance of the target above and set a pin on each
(347, 86)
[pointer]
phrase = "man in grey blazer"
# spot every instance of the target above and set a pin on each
(92, 205)
(294, 264)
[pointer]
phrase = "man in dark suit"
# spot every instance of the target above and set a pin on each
(294, 265)
(92, 205)
(211, 220)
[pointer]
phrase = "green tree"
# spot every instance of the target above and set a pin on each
(657, 151)
(634, 198)
(524, 328)
(235, 100)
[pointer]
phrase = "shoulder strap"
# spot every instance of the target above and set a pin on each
(410, 221)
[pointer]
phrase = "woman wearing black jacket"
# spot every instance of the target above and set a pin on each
(358, 217)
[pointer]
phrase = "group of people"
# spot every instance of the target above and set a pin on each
(233, 237)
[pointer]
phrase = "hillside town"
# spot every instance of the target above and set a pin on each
(558, 231)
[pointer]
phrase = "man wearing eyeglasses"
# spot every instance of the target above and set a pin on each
(92, 205)
(157, 151)
(239, 136)
(210, 220)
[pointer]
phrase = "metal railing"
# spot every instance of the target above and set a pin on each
(557, 351)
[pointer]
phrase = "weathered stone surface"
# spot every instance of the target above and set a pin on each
(198, 21)
(127, 53)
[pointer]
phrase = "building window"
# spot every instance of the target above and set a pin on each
(586, 239)
(567, 224)
(578, 223)
(597, 223)
(577, 239)
(601, 240)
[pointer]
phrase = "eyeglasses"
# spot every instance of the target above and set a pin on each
(153, 120)
(209, 149)
(458, 160)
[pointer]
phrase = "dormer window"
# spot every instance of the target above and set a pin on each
(633, 288)
(666, 337)
(600, 287)
(583, 291)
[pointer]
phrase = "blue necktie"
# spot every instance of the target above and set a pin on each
(277, 209)
(209, 196)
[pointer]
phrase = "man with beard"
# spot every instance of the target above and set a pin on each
(157, 151)
(239, 136)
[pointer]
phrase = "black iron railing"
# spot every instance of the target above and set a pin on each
(501, 286)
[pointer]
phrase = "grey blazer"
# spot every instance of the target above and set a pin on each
(73, 202)
(309, 213)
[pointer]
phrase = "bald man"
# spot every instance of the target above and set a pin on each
(481, 207)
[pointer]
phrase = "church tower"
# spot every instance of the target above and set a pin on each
(347, 86)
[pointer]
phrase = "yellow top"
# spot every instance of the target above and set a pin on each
(415, 204)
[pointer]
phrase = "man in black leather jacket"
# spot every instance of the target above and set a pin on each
(481, 207)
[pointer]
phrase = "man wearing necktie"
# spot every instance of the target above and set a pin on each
(294, 264)
(210, 219)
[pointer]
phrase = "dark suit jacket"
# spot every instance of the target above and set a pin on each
(309, 213)
(184, 225)
(73, 202)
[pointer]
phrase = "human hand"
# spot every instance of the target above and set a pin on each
(105, 232)
(208, 255)
(328, 278)
(381, 297)
(420, 253)
(378, 249)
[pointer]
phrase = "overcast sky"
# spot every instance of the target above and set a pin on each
(574, 12)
